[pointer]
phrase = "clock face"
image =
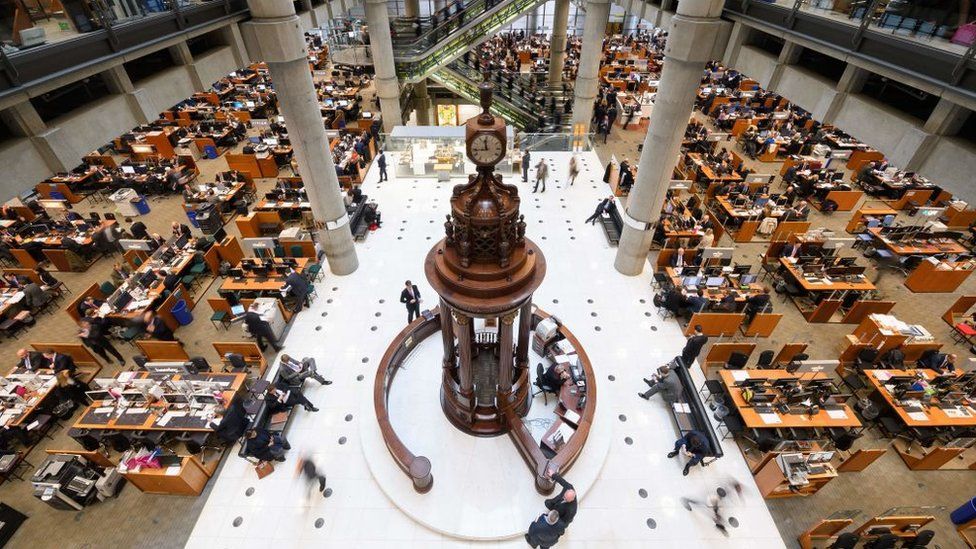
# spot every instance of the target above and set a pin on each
(486, 148)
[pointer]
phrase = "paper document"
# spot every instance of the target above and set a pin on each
(173, 471)
(837, 414)
(918, 416)
(740, 375)
(682, 407)
(770, 419)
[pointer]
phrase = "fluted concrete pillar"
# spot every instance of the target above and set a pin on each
(691, 41)
(557, 51)
(588, 77)
(282, 45)
(411, 8)
(421, 103)
(381, 47)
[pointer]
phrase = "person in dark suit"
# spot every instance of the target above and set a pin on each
(695, 445)
(526, 159)
(87, 304)
(31, 360)
(693, 346)
(282, 396)
(790, 251)
(381, 162)
(565, 503)
(170, 280)
(263, 445)
(411, 297)
(138, 231)
(156, 328)
(678, 259)
(298, 288)
(180, 229)
(756, 304)
(554, 376)
(261, 330)
(695, 303)
(60, 362)
(93, 334)
(34, 296)
(545, 531)
(600, 208)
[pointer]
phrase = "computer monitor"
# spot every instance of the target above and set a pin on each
(742, 269)
(784, 381)
(748, 279)
(129, 170)
(95, 396)
(763, 398)
(690, 281)
(714, 281)
(147, 278)
(798, 398)
(690, 270)
(204, 398)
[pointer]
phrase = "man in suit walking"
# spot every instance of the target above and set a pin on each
(261, 330)
(693, 346)
(526, 158)
(565, 503)
(381, 162)
(411, 297)
(545, 531)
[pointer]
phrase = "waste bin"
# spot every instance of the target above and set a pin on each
(965, 513)
(192, 216)
(210, 152)
(181, 313)
(141, 204)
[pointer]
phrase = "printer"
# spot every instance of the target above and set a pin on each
(66, 482)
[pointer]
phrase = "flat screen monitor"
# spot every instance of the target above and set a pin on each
(714, 281)
(748, 279)
(141, 245)
(690, 281)
(128, 170)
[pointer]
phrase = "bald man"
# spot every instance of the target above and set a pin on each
(565, 503)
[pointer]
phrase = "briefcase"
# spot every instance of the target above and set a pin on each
(264, 468)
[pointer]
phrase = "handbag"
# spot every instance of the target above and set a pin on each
(264, 468)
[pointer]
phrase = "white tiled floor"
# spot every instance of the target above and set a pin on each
(613, 318)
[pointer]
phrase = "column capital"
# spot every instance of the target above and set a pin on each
(509, 319)
(692, 39)
(277, 39)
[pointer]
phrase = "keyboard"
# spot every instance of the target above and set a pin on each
(764, 410)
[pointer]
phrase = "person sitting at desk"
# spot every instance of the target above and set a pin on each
(119, 274)
(88, 303)
(296, 286)
(281, 397)
(34, 296)
(554, 377)
(263, 445)
(180, 229)
(678, 259)
(170, 280)
(942, 363)
(31, 360)
(60, 362)
(694, 303)
(156, 328)
(694, 445)
(156, 241)
(47, 279)
(756, 304)
(864, 174)
(790, 250)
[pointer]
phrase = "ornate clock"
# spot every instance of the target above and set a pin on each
(485, 134)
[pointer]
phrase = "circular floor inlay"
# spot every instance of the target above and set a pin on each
(317, 328)
(238, 521)
(328, 492)
(348, 417)
(642, 493)
(342, 440)
(378, 313)
(372, 328)
(399, 238)
(360, 377)
(589, 301)
(653, 328)
(323, 314)
(612, 377)
(319, 523)
(555, 301)
(328, 300)
(572, 238)
(249, 492)
(597, 328)
(734, 522)
(593, 313)
(651, 523)
(628, 440)
(622, 417)
(721, 492)
(382, 301)
(643, 301)
(365, 359)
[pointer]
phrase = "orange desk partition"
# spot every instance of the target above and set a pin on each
(162, 351)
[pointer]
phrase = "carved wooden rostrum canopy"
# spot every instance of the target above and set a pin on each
(485, 268)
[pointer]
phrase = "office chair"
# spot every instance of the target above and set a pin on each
(843, 439)
(200, 364)
(847, 540)
(893, 359)
(140, 361)
(921, 541)
(865, 358)
(884, 541)
(765, 360)
(237, 362)
(737, 361)
(543, 388)
(925, 359)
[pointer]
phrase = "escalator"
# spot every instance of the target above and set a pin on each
(419, 57)
(528, 106)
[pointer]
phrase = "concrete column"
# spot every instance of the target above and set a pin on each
(506, 338)
(328, 9)
(789, 55)
(381, 46)
(422, 103)
(139, 102)
(531, 21)
(915, 145)
(182, 56)
(282, 45)
(588, 77)
(411, 8)
(691, 41)
(740, 35)
(557, 51)
(851, 81)
(231, 35)
(22, 119)
(946, 119)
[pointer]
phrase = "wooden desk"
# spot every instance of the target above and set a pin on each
(150, 420)
(189, 480)
(857, 221)
(35, 399)
(928, 278)
(914, 247)
(753, 420)
(251, 283)
(821, 285)
(569, 396)
(935, 416)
